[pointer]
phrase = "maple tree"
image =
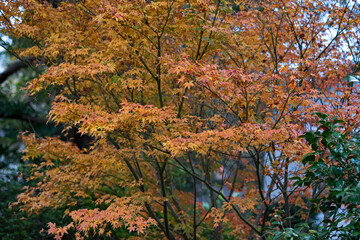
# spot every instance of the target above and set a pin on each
(214, 94)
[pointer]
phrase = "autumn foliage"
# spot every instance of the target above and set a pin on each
(194, 107)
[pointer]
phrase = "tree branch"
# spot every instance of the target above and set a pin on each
(24, 117)
(14, 68)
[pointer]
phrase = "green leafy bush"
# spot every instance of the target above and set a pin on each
(333, 173)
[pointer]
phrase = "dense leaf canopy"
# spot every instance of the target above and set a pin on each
(194, 107)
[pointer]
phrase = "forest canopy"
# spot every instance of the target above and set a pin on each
(194, 111)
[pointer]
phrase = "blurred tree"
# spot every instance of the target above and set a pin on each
(19, 113)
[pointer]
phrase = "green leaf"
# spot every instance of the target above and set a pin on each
(321, 115)
(309, 158)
